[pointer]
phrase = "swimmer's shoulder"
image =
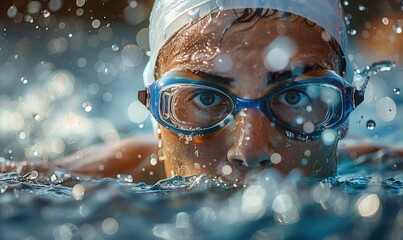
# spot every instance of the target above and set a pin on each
(129, 157)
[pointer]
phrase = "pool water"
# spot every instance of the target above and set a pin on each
(70, 82)
(361, 202)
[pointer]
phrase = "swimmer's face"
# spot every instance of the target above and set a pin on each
(239, 61)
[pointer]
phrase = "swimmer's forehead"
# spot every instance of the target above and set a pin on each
(204, 45)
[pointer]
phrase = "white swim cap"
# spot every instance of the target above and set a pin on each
(169, 16)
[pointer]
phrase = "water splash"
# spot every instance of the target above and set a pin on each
(375, 68)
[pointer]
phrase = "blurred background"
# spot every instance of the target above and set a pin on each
(70, 71)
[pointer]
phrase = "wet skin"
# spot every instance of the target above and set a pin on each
(247, 143)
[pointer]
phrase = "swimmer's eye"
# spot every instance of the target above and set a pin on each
(293, 98)
(206, 99)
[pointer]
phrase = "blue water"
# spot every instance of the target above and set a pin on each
(361, 202)
(364, 200)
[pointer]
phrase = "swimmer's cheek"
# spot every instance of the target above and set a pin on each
(130, 157)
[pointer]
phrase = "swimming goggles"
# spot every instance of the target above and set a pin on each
(302, 107)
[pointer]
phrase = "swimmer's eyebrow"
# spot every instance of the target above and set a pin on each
(214, 78)
(289, 74)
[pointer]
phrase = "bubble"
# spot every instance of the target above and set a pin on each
(115, 47)
(136, 15)
(34, 7)
(361, 7)
(55, 5)
(133, 4)
(308, 127)
(226, 169)
(58, 45)
(12, 12)
(24, 80)
(329, 136)
(46, 13)
(81, 62)
(137, 112)
(368, 205)
(132, 55)
(385, 21)
(87, 106)
(371, 124)
(142, 39)
(80, 3)
(223, 63)
(107, 96)
(352, 32)
(397, 28)
(346, 3)
(386, 109)
(78, 192)
(106, 73)
(22, 135)
(396, 91)
(95, 23)
(279, 53)
(36, 117)
(275, 158)
(282, 203)
(79, 12)
(154, 159)
(110, 226)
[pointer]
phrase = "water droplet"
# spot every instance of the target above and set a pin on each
(371, 124)
(375, 68)
(3, 187)
(46, 13)
(396, 91)
(346, 3)
(125, 178)
(87, 107)
(308, 127)
(397, 28)
(275, 158)
(22, 135)
(352, 32)
(70, 35)
(361, 7)
(36, 116)
(154, 159)
(24, 80)
(12, 12)
(194, 13)
(115, 47)
(31, 175)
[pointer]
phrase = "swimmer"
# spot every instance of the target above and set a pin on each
(236, 87)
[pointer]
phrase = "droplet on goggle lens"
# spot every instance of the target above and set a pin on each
(371, 124)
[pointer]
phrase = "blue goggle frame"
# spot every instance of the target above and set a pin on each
(351, 98)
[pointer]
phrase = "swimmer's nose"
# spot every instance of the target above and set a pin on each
(251, 144)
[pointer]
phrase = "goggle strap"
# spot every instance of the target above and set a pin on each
(359, 94)
(143, 97)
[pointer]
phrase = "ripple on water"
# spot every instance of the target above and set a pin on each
(199, 207)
